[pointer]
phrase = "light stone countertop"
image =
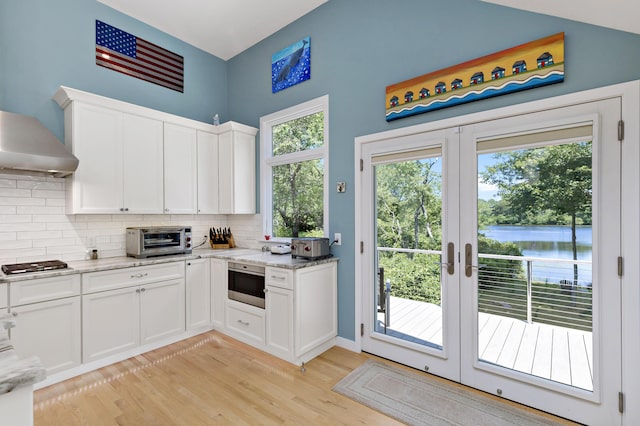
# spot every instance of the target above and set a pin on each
(244, 255)
(16, 372)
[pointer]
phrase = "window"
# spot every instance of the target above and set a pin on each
(295, 170)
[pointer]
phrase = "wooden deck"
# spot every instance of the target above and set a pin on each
(556, 353)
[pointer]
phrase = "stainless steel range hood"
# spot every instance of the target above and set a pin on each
(25, 144)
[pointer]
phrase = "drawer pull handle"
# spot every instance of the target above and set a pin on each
(275, 277)
(243, 323)
(139, 275)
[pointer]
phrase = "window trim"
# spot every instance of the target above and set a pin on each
(268, 161)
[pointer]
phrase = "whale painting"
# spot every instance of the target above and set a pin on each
(291, 65)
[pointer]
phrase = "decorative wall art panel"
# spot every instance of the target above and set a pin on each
(291, 66)
(534, 64)
(128, 54)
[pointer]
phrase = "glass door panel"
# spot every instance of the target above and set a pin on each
(411, 299)
(408, 255)
(534, 261)
(540, 292)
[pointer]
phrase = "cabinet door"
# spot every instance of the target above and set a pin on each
(4, 295)
(161, 310)
(180, 178)
(97, 142)
(244, 173)
(110, 323)
(51, 331)
(198, 294)
(207, 173)
(316, 317)
(225, 172)
(143, 165)
(219, 291)
(279, 317)
(237, 190)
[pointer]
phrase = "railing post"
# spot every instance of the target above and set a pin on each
(529, 281)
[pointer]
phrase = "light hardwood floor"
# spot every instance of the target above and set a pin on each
(209, 379)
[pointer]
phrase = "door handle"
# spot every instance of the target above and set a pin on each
(450, 258)
(468, 267)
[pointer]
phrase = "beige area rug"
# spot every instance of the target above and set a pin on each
(416, 399)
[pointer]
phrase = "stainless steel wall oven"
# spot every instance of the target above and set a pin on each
(246, 283)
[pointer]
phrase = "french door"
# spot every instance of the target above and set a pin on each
(467, 274)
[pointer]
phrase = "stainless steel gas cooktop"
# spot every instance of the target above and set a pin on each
(23, 268)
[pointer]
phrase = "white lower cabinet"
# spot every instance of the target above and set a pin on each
(246, 322)
(279, 313)
(198, 294)
(121, 319)
(48, 321)
(218, 292)
(161, 310)
(300, 319)
(4, 296)
(110, 322)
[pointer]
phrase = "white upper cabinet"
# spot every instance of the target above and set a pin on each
(237, 178)
(180, 170)
(208, 173)
(138, 160)
(95, 136)
(143, 164)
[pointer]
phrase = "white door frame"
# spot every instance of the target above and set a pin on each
(630, 97)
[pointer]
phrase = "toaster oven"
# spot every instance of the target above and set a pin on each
(151, 241)
(310, 248)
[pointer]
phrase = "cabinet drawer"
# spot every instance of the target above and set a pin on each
(246, 321)
(93, 282)
(4, 298)
(277, 277)
(41, 289)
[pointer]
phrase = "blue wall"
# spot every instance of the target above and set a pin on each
(358, 47)
(48, 43)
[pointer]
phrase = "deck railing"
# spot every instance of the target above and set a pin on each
(532, 289)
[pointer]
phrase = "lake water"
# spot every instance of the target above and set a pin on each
(548, 242)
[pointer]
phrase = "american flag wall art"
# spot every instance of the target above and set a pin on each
(128, 54)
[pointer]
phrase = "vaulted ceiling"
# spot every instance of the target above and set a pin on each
(225, 28)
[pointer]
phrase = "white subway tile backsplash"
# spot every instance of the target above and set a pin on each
(7, 236)
(22, 227)
(57, 242)
(12, 192)
(38, 193)
(33, 225)
(15, 244)
(39, 235)
(41, 185)
(18, 202)
(14, 218)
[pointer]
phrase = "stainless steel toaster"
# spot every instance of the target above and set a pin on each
(310, 248)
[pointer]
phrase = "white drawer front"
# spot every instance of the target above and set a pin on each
(277, 277)
(93, 282)
(4, 298)
(249, 324)
(41, 289)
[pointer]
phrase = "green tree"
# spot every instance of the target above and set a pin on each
(298, 186)
(554, 178)
(409, 205)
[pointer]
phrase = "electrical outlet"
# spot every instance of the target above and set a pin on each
(337, 239)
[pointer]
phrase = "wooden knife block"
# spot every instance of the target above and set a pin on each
(231, 244)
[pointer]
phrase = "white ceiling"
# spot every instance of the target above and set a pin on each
(621, 15)
(225, 28)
